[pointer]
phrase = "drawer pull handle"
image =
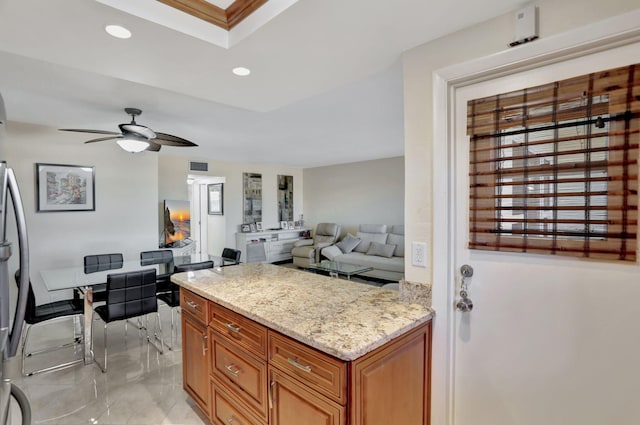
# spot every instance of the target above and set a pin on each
(294, 362)
(192, 305)
(231, 370)
(230, 421)
(233, 328)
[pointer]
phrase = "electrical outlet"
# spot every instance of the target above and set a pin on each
(419, 254)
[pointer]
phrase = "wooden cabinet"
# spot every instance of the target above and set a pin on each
(294, 403)
(240, 372)
(195, 351)
(391, 385)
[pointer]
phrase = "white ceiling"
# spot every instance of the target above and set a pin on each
(325, 88)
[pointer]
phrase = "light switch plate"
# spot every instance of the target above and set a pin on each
(419, 254)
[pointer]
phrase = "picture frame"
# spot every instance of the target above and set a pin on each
(65, 188)
(245, 228)
(290, 225)
(252, 226)
(284, 225)
(259, 226)
(215, 198)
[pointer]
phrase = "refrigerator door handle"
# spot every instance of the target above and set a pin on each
(23, 243)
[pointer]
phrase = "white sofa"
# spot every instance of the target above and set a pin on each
(372, 246)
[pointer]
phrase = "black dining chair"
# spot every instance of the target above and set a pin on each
(39, 314)
(160, 256)
(172, 298)
(231, 254)
(129, 295)
(99, 263)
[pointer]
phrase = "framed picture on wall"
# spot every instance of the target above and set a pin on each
(216, 199)
(62, 187)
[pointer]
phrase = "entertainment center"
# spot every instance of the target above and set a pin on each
(268, 246)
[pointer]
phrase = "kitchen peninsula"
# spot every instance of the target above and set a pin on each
(264, 344)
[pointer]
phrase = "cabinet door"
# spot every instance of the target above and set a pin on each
(391, 385)
(294, 404)
(195, 360)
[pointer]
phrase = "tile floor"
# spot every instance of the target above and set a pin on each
(140, 386)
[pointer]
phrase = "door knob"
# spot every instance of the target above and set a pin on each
(465, 304)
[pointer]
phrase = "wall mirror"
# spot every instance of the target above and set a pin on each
(252, 187)
(285, 198)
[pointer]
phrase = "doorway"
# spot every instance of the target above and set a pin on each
(208, 231)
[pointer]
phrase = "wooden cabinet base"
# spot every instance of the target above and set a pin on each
(232, 382)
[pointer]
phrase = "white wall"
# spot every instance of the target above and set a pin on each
(488, 38)
(126, 192)
(173, 173)
(356, 193)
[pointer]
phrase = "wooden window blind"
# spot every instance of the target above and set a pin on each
(554, 168)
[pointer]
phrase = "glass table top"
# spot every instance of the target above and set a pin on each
(340, 268)
(76, 277)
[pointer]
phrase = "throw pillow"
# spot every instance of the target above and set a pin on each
(367, 238)
(347, 243)
(398, 240)
(381, 249)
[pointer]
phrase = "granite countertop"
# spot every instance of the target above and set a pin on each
(341, 318)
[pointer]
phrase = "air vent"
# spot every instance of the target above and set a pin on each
(198, 166)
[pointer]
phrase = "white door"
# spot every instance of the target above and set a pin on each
(550, 340)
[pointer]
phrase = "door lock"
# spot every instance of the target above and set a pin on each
(465, 304)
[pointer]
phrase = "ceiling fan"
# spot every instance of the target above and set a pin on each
(134, 137)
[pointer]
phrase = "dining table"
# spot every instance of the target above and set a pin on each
(86, 278)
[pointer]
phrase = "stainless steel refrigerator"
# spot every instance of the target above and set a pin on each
(10, 333)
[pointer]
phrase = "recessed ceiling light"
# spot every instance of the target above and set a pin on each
(117, 31)
(241, 71)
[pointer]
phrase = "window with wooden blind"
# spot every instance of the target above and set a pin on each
(554, 168)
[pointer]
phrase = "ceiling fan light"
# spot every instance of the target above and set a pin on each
(132, 145)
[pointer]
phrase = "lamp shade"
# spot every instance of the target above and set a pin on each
(133, 145)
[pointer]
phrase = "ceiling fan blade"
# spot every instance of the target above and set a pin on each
(79, 130)
(102, 139)
(169, 140)
(153, 147)
(138, 129)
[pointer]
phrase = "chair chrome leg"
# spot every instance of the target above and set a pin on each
(24, 346)
(155, 334)
(26, 354)
(95, 359)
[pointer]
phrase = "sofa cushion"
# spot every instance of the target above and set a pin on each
(348, 243)
(381, 249)
(331, 252)
(367, 238)
(393, 264)
(373, 228)
(304, 252)
(397, 229)
(398, 241)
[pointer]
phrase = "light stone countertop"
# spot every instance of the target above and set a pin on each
(341, 318)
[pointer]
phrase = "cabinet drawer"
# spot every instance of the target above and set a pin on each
(194, 304)
(281, 247)
(226, 410)
(242, 373)
(319, 371)
(242, 331)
